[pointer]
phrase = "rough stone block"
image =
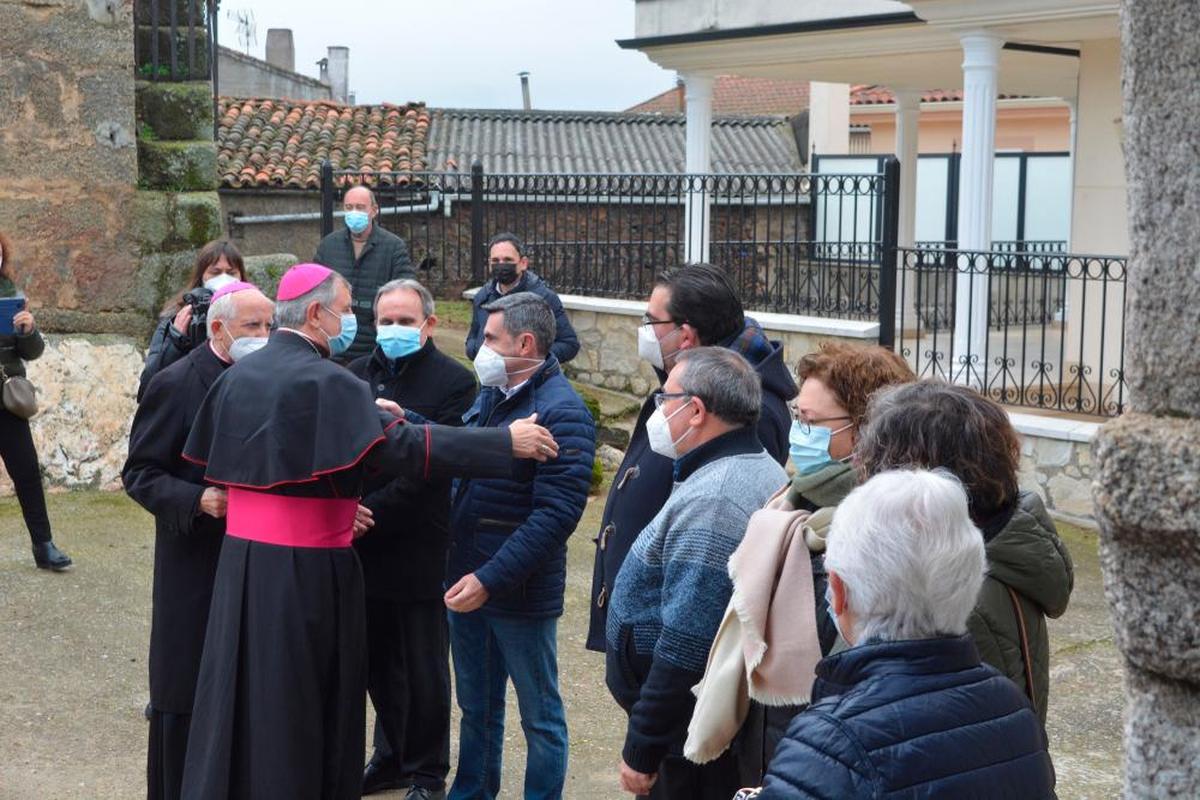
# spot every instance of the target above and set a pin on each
(1150, 539)
(1071, 495)
(161, 276)
(176, 111)
(179, 166)
(1052, 452)
(151, 221)
(197, 218)
(1162, 734)
(265, 271)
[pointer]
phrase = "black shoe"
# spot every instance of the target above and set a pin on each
(379, 776)
(421, 793)
(47, 556)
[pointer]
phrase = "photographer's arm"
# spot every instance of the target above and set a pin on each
(166, 347)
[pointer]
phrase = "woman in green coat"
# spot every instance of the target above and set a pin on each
(16, 441)
(932, 424)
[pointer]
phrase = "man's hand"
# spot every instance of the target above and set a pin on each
(364, 520)
(182, 319)
(530, 440)
(392, 408)
(213, 502)
(635, 782)
(466, 595)
(23, 322)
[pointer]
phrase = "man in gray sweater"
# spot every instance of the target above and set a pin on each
(672, 590)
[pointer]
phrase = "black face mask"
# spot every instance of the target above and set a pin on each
(505, 272)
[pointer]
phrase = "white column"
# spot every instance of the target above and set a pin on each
(1073, 105)
(698, 161)
(908, 117)
(981, 69)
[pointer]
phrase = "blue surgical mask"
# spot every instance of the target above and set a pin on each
(810, 451)
(357, 221)
(340, 343)
(398, 341)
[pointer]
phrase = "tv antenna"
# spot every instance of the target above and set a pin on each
(247, 28)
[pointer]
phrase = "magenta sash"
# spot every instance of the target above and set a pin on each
(290, 521)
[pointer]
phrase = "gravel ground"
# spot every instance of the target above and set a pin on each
(73, 666)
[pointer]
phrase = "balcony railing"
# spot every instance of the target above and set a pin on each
(1054, 337)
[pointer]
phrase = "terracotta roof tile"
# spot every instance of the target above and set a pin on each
(863, 95)
(734, 94)
(281, 143)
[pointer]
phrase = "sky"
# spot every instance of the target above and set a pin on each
(466, 53)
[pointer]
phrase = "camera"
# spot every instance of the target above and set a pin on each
(199, 299)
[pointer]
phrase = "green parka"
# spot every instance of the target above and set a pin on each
(1025, 553)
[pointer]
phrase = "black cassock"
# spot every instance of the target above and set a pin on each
(186, 546)
(279, 709)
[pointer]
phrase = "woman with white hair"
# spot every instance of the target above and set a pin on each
(909, 706)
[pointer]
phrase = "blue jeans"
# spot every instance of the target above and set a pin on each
(487, 650)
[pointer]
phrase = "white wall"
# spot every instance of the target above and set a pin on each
(829, 117)
(1099, 223)
(666, 17)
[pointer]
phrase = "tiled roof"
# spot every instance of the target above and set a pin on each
(281, 143)
(882, 96)
(598, 142)
(733, 94)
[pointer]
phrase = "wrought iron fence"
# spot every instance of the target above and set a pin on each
(176, 40)
(1054, 332)
(805, 244)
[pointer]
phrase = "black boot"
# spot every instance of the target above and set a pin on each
(47, 556)
(381, 775)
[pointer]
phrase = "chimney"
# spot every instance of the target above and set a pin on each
(339, 73)
(323, 65)
(680, 95)
(281, 49)
(525, 102)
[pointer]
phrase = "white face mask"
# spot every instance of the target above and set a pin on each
(240, 348)
(489, 366)
(491, 369)
(648, 347)
(217, 281)
(658, 431)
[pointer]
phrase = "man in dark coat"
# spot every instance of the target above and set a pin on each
(279, 708)
(189, 524)
(404, 554)
(691, 306)
(909, 709)
(510, 274)
(367, 256)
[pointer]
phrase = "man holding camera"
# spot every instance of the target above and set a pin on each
(368, 257)
(189, 520)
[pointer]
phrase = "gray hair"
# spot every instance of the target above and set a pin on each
(912, 560)
(224, 308)
(290, 313)
(413, 286)
(526, 312)
(728, 385)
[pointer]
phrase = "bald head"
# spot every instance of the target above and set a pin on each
(245, 313)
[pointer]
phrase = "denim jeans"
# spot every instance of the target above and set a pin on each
(487, 650)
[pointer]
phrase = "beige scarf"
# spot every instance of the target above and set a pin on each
(766, 647)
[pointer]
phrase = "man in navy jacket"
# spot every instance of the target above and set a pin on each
(508, 555)
(510, 274)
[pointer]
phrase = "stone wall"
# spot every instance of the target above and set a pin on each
(68, 164)
(86, 389)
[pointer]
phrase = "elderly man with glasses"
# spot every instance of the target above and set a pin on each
(672, 590)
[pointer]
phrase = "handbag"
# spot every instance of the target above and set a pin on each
(19, 395)
(1026, 655)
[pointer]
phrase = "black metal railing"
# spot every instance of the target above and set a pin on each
(1054, 332)
(799, 243)
(176, 40)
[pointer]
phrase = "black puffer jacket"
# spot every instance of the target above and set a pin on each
(16, 349)
(921, 718)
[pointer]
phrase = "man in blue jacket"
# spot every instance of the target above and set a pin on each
(508, 555)
(510, 274)
(691, 306)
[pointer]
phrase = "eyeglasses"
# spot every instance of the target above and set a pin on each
(662, 397)
(806, 423)
(649, 320)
